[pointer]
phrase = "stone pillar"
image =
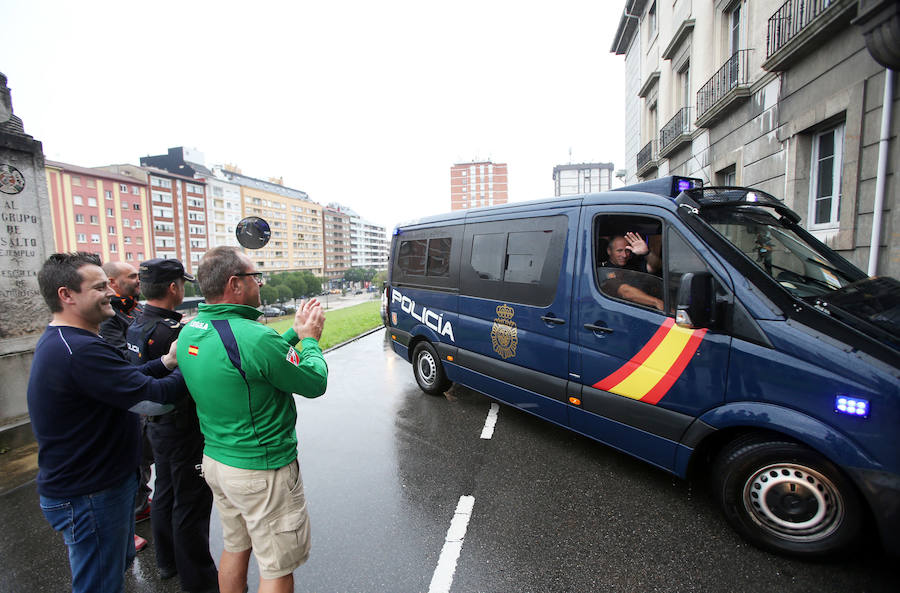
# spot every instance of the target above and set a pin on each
(26, 239)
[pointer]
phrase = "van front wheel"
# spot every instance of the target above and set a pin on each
(785, 497)
(428, 370)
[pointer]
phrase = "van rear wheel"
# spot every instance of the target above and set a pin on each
(428, 370)
(785, 497)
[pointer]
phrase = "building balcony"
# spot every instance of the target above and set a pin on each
(647, 159)
(799, 26)
(676, 133)
(728, 87)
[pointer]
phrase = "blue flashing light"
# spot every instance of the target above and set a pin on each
(685, 184)
(851, 406)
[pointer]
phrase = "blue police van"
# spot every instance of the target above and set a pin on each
(700, 329)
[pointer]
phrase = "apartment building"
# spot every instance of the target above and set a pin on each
(178, 215)
(296, 221)
(100, 212)
(336, 242)
(583, 178)
(476, 184)
(223, 198)
(783, 96)
(369, 242)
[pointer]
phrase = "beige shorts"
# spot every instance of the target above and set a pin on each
(264, 510)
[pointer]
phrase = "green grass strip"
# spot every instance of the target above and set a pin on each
(340, 324)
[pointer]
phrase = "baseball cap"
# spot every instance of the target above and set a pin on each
(158, 270)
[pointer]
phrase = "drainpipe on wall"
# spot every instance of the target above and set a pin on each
(881, 178)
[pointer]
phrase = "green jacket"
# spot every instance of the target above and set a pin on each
(249, 425)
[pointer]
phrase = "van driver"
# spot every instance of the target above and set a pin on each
(629, 269)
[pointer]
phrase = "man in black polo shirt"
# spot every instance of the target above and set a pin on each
(181, 499)
(630, 269)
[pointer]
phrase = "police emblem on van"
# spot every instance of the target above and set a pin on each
(504, 333)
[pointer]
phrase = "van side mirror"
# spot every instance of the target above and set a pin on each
(696, 304)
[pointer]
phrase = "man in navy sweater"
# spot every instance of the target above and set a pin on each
(84, 398)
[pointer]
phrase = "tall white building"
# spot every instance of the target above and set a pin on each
(223, 200)
(583, 178)
(369, 242)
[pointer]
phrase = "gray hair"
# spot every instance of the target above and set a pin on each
(217, 266)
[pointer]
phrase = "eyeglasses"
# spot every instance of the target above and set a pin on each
(258, 276)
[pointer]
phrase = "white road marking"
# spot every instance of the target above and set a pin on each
(443, 574)
(491, 421)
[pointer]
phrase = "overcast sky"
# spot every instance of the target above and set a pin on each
(359, 102)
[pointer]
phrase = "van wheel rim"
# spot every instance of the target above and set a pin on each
(793, 502)
(427, 368)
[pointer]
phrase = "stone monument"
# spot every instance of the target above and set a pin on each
(26, 239)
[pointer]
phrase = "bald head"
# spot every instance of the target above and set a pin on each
(123, 278)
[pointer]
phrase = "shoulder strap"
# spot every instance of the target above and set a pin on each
(224, 329)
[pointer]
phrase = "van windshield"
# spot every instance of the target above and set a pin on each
(804, 268)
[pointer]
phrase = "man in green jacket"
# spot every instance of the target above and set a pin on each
(242, 375)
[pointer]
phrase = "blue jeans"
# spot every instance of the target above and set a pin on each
(98, 528)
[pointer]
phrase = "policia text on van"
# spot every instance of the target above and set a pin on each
(702, 329)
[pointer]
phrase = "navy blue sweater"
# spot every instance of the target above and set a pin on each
(79, 394)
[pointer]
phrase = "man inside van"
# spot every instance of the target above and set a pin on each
(630, 271)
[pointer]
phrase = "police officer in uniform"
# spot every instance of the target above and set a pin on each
(181, 500)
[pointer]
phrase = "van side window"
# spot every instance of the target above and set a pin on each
(628, 252)
(487, 255)
(520, 266)
(439, 257)
(525, 253)
(428, 257)
(412, 257)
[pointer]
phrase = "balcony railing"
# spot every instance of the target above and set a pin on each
(646, 158)
(790, 19)
(733, 75)
(677, 130)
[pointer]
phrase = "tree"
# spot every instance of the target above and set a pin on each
(297, 284)
(275, 279)
(191, 289)
(284, 292)
(379, 279)
(358, 274)
(268, 294)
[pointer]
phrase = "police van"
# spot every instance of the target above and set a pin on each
(727, 341)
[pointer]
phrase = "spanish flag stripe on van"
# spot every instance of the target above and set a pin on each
(638, 359)
(660, 389)
(650, 374)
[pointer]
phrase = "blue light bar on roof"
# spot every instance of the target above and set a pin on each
(668, 187)
(851, 406)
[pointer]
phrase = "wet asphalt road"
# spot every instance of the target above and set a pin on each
(385, 466)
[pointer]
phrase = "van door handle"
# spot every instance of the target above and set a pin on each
(552, 319)
(598, 328)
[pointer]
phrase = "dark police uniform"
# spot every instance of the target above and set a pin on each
(634, 273)
(182, 500)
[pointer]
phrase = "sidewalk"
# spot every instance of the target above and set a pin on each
(33, 557)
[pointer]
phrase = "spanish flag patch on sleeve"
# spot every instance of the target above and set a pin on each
(193, 350)
(293, 357)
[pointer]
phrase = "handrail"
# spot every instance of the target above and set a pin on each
(729, 76)
(677, 126)
(789, 20)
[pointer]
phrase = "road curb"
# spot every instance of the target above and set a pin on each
(351, 340)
